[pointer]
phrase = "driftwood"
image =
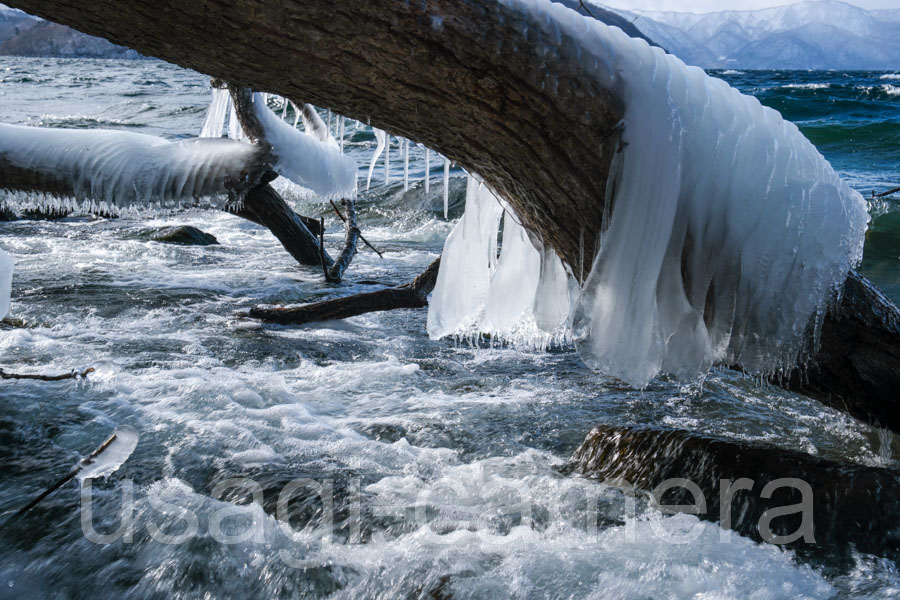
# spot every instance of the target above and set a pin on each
(851, 505)
(70, 375)
(492, 87)
(411, 295)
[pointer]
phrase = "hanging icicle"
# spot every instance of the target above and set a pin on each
(380, 137)
(214, 123)
(446, 187)
(427, 169)
(405, 165)
(387, 160)
(341, 134)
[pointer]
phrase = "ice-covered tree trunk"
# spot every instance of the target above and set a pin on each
(502, 91)
(476, 81)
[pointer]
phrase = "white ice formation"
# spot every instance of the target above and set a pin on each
(728, 238)
(6, 270)
(511, 294)
(120, 168)
(113, 456)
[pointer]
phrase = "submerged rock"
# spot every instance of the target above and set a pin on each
(184, 234)
(818, 507)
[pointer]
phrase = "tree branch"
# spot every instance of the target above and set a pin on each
(411, 295)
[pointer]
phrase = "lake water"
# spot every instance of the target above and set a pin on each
(439, 459)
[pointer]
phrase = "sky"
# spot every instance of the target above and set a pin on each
(702, 6)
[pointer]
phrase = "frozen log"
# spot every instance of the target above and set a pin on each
(504, 93)
(851, 505)
(476, 81)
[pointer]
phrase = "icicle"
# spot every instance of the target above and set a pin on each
(235, 131)
(284, 105)
(428, 171)
(387, 160)
(446, 187)
(511, 296)
(6, 271)
(297, 113)
(457, 302)
(328, 129)
(381, 137)
(341, 133)
(215, 117)
(405, 165)
(552, 303)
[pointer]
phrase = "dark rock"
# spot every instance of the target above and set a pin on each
(7, 214)
(184, 234)
(851, 505)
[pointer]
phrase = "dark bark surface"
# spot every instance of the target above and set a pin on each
(857, 367)
(457, 75)
(264, 206)
(852, 505)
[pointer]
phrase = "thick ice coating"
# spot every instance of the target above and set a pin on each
(303, 158)
(729, 233)
(118, 168)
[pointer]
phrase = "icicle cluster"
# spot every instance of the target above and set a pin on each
(6, 270)
(514, 294)
(728, 237)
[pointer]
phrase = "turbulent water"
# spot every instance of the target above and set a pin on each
(439, 458)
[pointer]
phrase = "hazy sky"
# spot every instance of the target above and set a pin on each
(701, 6)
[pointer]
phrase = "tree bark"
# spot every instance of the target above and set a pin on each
(521, 110)
(857, 366)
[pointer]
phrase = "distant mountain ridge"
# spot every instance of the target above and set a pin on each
(24, 35)
(815, 34)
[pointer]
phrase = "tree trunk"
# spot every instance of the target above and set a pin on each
(266, 207)
(456, 75)
(487, 84)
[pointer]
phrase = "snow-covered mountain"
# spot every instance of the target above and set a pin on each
(24, 35)
(820, 34)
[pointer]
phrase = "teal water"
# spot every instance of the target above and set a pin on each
(440, 457)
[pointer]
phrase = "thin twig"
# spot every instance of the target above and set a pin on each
(887, 193)
(344, 219)
(81, 464)
(72, 375)
(581, 5)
